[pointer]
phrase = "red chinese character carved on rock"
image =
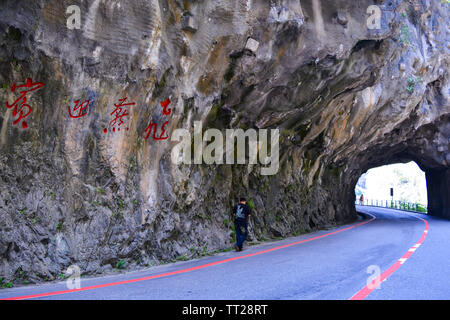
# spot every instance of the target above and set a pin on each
(118, 113)
(164, 104)
(154, 127)
(80, 108)
(22, 100)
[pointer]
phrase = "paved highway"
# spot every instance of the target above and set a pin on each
(410, 251)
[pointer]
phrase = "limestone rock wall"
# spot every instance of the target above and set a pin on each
(345, 98)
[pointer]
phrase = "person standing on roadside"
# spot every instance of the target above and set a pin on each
(241, 212)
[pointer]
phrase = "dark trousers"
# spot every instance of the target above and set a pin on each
(241, 231)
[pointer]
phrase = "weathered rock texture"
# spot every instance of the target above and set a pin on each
(346, 98)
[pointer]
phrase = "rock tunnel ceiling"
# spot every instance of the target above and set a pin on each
(345, 96)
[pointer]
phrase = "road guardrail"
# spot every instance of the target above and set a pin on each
(393, 204)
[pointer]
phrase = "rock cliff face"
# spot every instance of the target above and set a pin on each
(345, 98)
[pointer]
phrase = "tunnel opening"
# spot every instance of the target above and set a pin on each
(426, 145)
(397, 185)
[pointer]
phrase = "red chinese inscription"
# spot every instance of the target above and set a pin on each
(119, 113)
(24, 110)
(165, 104)
(154, 127)
(79, 110)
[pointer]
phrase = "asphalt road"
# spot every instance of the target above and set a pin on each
(329, 264)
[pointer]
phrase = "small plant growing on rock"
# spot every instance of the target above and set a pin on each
(204, 251)
(5, 285)
(60, 225)
(412, 81)
(61, 276)
(251, 204)
(405, 36)
(120, 264)
(181, 258)
(120, 203)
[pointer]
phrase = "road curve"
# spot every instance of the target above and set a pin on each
(409, 250)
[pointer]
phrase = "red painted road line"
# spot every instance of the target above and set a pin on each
(40, 295)
(364, 292)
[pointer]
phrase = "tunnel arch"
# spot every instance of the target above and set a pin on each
(428, 148)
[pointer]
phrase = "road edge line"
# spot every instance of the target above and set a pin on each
(47, 294)
(364, 292)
